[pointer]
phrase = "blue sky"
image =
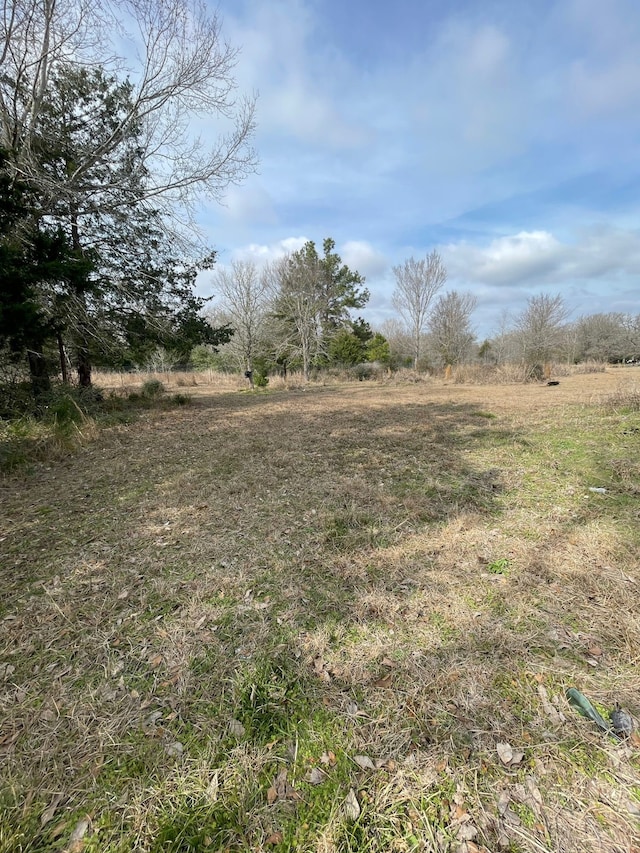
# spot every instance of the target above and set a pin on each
(504, 134)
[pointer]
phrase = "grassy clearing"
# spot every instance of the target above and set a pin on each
(305, 620)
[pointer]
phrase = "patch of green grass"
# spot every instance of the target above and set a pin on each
(499, 567)
(350, 529)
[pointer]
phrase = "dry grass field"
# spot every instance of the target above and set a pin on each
(340, 618)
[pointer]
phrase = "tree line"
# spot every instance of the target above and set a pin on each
(296, 313)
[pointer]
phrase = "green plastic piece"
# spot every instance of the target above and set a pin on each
(582, 705)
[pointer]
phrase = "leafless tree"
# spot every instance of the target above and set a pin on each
(183, 74)
(450, 329)
(417, 282)
(243, 292)
(400, 342)
(607, 337)
(539, 330)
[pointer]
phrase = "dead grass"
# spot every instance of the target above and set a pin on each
(292, 580)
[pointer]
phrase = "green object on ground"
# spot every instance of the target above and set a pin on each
(582, 705)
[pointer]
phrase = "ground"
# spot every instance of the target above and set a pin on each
(339, 617)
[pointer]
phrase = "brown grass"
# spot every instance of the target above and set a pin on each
(427, 559)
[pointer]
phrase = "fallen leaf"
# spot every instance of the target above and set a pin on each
(549, 709)
(508, 755)
(505, 752)
(236, 729)
(275, 838)
(503, 803)
(76, 842)
(272, 795)
(459, 814)
(211, 792)
(466, 832)
(175, 749)
(385, 681)
(534, 790)
(388, 662)
(351, 805)
(328, 758)
(49, 812)
(364, 762)
(155, 661)
(316, 776)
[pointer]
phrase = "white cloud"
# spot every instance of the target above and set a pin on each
(361, 256)
(539, 258)
(282, 60)
(264, 253)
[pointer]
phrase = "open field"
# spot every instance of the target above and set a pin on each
(313, 620)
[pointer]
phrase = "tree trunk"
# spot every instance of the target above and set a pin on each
(63, 359)
(39, 375)
(84, 367)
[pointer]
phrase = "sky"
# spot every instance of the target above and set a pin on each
(505, 135)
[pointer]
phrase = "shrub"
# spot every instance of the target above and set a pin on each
(153, 388)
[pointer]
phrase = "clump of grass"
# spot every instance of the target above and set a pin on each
(499, 567)
(180, 399)
(623, 400)
(62, 427)
(153, 388)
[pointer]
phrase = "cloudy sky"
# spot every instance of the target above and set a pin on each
(505, 134)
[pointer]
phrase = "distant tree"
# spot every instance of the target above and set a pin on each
(539, 331)
(417, 282)
(377, 349)
(243, 293)
(346, 348)
(401, 348)
(312, 298)
(450, 329)
(610, 337)
(486, 353)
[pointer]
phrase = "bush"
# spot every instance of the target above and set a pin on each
(181, 399)
(152, 389)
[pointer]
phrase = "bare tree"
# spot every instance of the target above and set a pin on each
(450, 326)
(400, 342)
(417, 282)
(606, 337)
(184, 73)
(539, 330)
(244, 292)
